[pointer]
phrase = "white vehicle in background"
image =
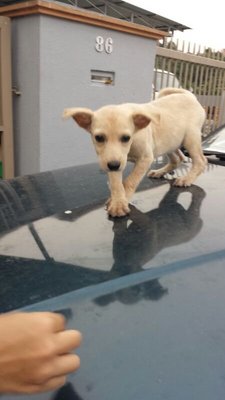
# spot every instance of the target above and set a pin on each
(163, 79)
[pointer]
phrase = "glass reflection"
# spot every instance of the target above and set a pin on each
(136, 243)
(150, 290)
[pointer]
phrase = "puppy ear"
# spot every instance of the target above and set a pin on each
(82, 116)
(141, 121)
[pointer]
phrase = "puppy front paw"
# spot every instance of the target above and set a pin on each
(118, 207)
(183, 181)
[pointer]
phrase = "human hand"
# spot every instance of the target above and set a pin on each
(35, 352)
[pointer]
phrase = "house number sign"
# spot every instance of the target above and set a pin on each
(104, 45)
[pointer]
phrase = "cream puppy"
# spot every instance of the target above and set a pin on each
(140, 133)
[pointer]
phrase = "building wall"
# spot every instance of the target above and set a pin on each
(52, 63)
(26, 78)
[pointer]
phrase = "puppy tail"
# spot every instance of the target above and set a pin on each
(171, 90)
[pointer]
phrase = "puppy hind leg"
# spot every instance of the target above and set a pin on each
(199, 161)
(175, 159)
(181, 155)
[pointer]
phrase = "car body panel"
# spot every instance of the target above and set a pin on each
(215, 143)
(147, 291)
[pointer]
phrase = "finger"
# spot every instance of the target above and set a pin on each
(51, 384)
(64, 365)
(60, 367)
(59, 321)
(54, 322)
(67, 341)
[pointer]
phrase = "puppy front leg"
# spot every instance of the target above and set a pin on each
(117, 205)
(132, 181)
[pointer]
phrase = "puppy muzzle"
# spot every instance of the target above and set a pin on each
(114, 165)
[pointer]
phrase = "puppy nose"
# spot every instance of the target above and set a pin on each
(113, 165)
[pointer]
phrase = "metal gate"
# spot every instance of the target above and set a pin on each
(6, 127)
(200, 70)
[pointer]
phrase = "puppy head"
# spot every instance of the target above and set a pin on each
(112, 129)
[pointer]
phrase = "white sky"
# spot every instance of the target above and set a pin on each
(207, 19)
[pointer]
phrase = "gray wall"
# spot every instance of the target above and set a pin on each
(52, 59)
(26, 78)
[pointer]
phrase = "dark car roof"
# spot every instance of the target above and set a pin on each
(215, 142)
(147, 291)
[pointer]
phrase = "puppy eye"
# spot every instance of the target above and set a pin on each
(125, 138)
(100, 138)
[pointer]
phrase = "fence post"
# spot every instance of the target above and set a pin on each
(6, 125)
